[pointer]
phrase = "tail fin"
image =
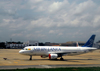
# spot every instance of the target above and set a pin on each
(77, 44)
(90, 42)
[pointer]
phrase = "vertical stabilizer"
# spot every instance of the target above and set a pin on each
(77, 44)
(90, 42)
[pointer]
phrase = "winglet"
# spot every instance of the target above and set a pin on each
(90, 42)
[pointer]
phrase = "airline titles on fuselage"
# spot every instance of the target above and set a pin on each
(45, 49)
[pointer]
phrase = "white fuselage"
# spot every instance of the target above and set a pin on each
(46, 50)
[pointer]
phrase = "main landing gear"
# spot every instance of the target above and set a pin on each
(61, 58)
(30, 57)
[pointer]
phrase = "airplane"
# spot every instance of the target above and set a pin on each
(53, 52)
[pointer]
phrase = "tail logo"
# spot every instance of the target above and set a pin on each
(90, 42)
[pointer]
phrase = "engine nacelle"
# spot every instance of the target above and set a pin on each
(53, 56)
(43, 56)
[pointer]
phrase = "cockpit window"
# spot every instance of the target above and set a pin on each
(26, 49)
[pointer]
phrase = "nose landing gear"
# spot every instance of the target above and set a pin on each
(30, 57)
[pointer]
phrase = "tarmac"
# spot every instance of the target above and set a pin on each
(11, 59)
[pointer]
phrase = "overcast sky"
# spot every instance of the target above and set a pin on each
(49, 20)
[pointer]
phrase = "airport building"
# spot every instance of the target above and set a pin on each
(51, 44)
(21, 45)
(31, 43)
(73, 43)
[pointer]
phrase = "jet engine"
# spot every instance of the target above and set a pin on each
(43, 56)
(53, 56)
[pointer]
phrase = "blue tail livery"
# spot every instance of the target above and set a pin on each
(90, 42)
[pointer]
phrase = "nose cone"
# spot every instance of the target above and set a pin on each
(21, 52)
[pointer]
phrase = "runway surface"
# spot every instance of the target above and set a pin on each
(16, 60)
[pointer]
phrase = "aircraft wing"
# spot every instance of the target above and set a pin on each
(65, 53)
(61, 53)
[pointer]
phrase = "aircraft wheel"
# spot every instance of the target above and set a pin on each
(61, 59)
(30, 57)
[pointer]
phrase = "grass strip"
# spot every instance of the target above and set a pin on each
(57, 69)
